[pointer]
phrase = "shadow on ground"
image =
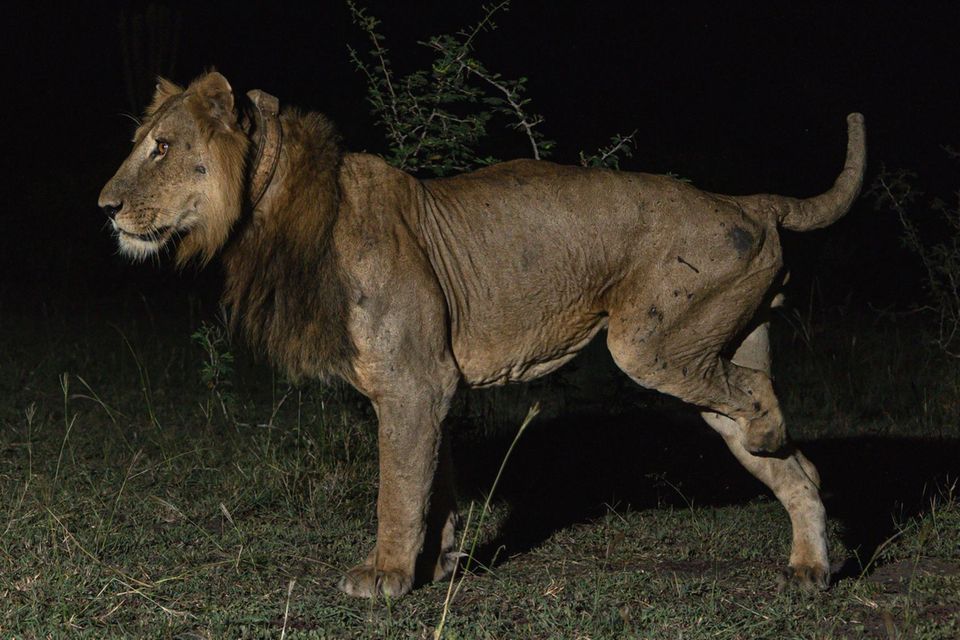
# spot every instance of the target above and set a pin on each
(568, 470)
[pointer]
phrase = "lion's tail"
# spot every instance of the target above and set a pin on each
(819, 211)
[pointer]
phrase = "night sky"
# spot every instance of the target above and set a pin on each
(738, 98)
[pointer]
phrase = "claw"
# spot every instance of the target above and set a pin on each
(808, 578)
(364, 581)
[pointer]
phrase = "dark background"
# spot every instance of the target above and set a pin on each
(737, 97)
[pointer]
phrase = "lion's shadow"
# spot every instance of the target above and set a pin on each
(572, 469)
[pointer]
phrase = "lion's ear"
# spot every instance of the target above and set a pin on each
(163, 92)
(216, 99)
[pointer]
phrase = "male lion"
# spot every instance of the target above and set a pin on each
(337, 263)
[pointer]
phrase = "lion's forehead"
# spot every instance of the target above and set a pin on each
(173, 118)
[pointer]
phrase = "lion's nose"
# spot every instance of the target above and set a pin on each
(111, 209)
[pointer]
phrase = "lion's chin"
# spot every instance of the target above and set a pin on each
(138, 247)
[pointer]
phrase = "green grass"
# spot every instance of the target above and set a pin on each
(130, 508)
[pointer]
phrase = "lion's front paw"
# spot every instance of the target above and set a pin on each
(364, 581)
(808, 577)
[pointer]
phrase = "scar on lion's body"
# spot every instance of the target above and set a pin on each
(741, 240)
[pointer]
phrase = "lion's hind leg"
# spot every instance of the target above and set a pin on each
(438, 557)
(792, 478)
(684, 360)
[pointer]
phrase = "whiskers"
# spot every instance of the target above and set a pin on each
(164, 234)
(176, 235)
(155, 244)
(132, 117)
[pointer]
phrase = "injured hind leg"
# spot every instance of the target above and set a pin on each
(753, 406)
(792, 478)
(696, 373)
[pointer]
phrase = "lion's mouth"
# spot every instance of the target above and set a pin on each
(150, 236)
(140, 245)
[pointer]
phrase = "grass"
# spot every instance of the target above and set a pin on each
(129, 508)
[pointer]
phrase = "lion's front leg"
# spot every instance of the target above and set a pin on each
(414, 496)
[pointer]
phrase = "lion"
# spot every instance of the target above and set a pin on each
(339, 264)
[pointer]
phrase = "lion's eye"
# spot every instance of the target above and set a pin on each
(161, 149)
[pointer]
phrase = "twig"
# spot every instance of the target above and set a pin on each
(286, 611)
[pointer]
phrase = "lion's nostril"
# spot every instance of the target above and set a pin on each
(111, 210)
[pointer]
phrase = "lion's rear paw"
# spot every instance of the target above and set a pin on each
(364, 581)
(446, 564)
(808, 577)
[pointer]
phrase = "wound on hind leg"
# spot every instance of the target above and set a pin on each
(764, 434)
(746, 395)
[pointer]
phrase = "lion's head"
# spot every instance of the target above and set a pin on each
(184, 178)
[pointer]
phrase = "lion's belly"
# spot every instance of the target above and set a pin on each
(498, 353)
